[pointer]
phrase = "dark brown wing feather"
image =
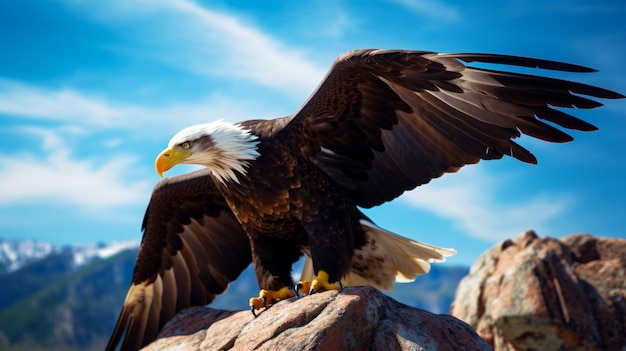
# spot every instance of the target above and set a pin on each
(385, 121)
(192, 248)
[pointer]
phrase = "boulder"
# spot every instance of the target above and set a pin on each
(536, 293)
(357, 318)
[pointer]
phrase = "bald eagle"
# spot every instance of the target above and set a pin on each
(381, 122)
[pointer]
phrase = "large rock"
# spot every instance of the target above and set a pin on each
(359, 318)
(548, 294)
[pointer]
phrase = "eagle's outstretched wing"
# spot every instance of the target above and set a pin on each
(192, 248)
(386, 121)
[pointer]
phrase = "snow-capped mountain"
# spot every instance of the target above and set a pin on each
(85, 253)
(15, 254)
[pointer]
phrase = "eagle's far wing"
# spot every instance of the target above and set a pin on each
(192, 248)
(386, 121)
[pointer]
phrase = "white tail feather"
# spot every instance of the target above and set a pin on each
(385, 258)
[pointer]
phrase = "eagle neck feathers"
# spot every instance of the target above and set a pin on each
(225, 149)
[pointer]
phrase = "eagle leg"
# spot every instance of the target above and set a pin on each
(318, 284)
(269, 297)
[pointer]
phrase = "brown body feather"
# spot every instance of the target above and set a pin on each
(380, 123)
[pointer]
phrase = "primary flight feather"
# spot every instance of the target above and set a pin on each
(380, 123)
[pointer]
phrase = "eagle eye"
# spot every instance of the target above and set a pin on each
(185, 145)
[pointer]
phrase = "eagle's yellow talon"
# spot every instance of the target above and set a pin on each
(319, 284)
(269, 297)
(257, 303)
(304, 287)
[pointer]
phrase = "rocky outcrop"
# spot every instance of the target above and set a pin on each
(357, 318)
(546, 294)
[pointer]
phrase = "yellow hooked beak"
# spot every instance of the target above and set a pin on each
(168, 159)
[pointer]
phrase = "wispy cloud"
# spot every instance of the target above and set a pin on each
(433, 9)
(50, 139)
(71, 107)
(25, 100)
(193, 37)
(470, 199)
(59, 178)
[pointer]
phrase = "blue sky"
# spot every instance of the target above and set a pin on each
(91, 91)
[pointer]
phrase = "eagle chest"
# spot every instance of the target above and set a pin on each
(277, 195)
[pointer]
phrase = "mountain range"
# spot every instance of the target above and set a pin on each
(68, 298)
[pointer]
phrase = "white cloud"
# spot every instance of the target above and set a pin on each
(81, 112)
(251, 53)
(471, 200)
(192, 37)
(53, 175)
(56, 177)
(21, 99)
(51, 139)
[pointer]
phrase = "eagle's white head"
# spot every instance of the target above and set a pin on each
(224, 148)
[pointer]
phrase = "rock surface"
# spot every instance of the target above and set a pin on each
(546, 294)
(358, 318)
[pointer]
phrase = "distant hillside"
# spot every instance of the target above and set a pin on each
(432, 292)
(28, 266)
(76, 312)
(34, 276)
(52, 304)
